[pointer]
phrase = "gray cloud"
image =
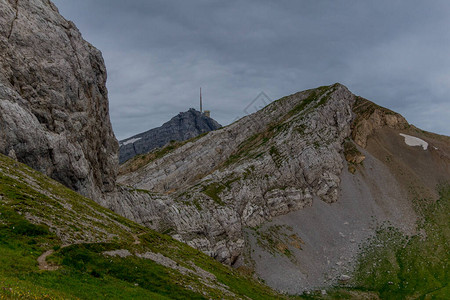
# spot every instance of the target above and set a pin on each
(158, 53)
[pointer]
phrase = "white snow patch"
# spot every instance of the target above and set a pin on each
(414, 141)
(130, 141)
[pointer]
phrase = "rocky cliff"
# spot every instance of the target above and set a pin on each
(184, 126)
(264, 165)
(54, 113)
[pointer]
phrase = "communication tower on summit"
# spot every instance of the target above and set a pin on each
(201, 104)
(206, 112)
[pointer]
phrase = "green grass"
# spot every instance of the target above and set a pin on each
(131, 272)
(84, 272)
(274, 153)
(141, 160)
(397, 267)
(213, 191)
(313, 96)
(241, 285)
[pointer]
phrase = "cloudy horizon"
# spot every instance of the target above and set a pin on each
(159, 53)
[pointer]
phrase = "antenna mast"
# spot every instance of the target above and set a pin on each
(201, 104)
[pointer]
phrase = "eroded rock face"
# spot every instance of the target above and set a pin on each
(54, 113)
(262, 166)
(215, 230)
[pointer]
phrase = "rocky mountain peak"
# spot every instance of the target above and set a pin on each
(264, 165)
(297, 185)
(54, 113)
(184, 126)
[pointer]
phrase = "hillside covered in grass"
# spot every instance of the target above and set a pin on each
(56, 244)
(393, 265)
(397, 266)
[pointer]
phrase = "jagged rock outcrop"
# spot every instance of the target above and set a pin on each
(371, 117)
(54, 113)
(184, 126)
(264, 165)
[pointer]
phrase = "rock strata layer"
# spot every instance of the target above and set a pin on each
(54, 113)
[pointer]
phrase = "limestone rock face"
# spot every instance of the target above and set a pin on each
(264, 165)
(215, 230)
(54, 113)
(184, 126)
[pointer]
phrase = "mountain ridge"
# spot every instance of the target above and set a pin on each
(293, 154)
(229, 216)
(184, 126)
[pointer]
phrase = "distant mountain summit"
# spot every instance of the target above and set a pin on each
(184, 126)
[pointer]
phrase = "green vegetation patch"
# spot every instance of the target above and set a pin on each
(242, 286)
(393, 265)
(396, 266)
(22, 242)
(276, 156)
(88, 259)
(142, 160)
(213, 191)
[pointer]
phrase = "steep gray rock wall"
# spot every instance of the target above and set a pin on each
(184, 126)
(265, 165)
(330, 235)
(215, 230)
(54, 112)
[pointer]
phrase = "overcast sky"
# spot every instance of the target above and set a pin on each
(158, 54)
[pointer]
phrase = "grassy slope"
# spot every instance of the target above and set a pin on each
(84, 272)
(396, 266)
